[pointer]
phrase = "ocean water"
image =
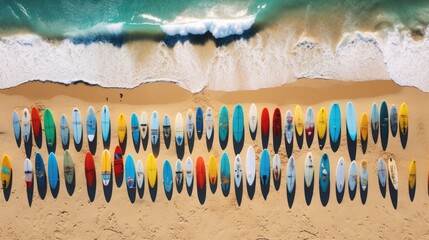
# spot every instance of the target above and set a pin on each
(221, 45)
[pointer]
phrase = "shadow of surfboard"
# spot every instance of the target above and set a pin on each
(153, 191)
(277, 141)
(339, 195)
(393, 194)
(180, 150)
(167, 139)
(288, 147)
(224, 143)
(213, 187)
(382, 189)
(265, 186)
(299, 139)
(308, 192)
(106, 144)
(107, 190)
(364, 144)
(42, 188)
(169, 194)
(191, 140)
(238, 146)
(29, 145)
(265, 139)
(363, 194)
(291, 196)
(322, 141)
(239, 192)
(70, 187)
(145, 141)
(123, 145)
(253, 134)
(56, 190)
(202, 194)
(335, 145)
(404, 139)
(351, 145)
(189, 189)
(92, 190)
(131, 191)
(67, 145)
(309, 139)
(30, 191)
(412, 192)
(93, 145)
(78, 146)
(155, 147)
(209, 142)
(179, 186)
(251, 189)
(18, 141)
(39, 139)
(277, 182)
(136, 144)
(140, 191)
(324, 196)
(6, 191)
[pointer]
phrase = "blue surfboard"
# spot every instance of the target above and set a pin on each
(223, 126)
(16, 127)
(384, 125)
(375, 122)
(167, 176)
(105, 123)
(91, 124)
(199, 122)
(238, 123)
(53, 171)
(351, 123)
(130, 171)
(225, 174)
(166, 130)
(77, 126)
(64, 131)
(40, 171)
(324, 173)
(335, 126)
(135, 130)
(394, 120)
(264, 169)
(154, 128)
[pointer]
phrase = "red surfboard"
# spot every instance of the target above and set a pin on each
(89, 170)
(277, 123)
(118, 163)
(35, 121)
(201, 173)
(265, 122)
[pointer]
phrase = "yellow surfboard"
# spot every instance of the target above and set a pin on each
(403, 119)
(6, 171)
(412, 174)
(364, 127)
(322, 123)
(122, 128)
(298, 120)
(151, 170)
(106, 167)
(212, 170)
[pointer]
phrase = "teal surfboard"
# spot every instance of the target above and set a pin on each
(384, 125)
(154, 128)
(77, 126)
(225, 174)
(375, 122)
(238, 123)
(130, 171)
(351, 123)
(49, 124)
(105, 123)
(199, 122)
(53, 171)
(264, 169)
(91, 124)
(135, 130)
(64, 131)
(324, 173)
(16, 127)
(335, 126)
(223, 127)
(167, 176)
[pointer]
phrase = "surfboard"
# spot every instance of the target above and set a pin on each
(64, 130)
(118, 163)
(91, 124)
(105, 123)
(375, 122)
(250, 166)
(40, 170)
(351, 121)
(322, 126)
(179, 129)
(364, 131)
(122, 128)
(265, 127)
(166, 130)
(179, 172)
(68, 167)
(199, 122)
(238, 124)
(289, 128)
(340, 175)
(106, 167)
(264, 169)
(49, 124)
(335, 126)
(412, 175)
(384, 125)
(135, 130)
(139, 174)
(223, 125)
(276, 167)
(6, 171)
(382, 172)
(26, 125)
(167, 176)
(144, 125)
(189, 166)
(212, 170)
(130, 171)
(152, 172)
(308, 170)
(299, 121)
(35, 122)
(291, 174)
(393, 173)
(324, 173)
(89, 170)
(16, 124)
(154, 128)
(277, 129)
(28, 173)
(201, 173)
(225, 172)
(403, 124)
(238, 169)
(352, 176)
(77, 126)
(53, 171)
(209, 123)
(393, 120)
(309, 126)
(363, 176)
(253, 120)
(189, 124)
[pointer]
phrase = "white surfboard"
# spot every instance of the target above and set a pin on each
(353, 176)
(179, 129)
(340, 175)
(189, 124)
(393, 173)
(143, 125)
(291, 174)
(276, 167)
(26, 124)
(28, 172)
(209, 123)
(179, 172)
(289, 127)
(139, 174)
(237, 170)
(250, 166)
(253, 118)
(189, 171)
(363, 176)
(154, 128)
(382, 172)
(308, 169)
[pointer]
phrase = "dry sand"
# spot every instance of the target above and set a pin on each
(74, 217)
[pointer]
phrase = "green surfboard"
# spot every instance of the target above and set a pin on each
(49, 124)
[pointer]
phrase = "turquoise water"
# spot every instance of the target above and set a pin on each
(67, 18)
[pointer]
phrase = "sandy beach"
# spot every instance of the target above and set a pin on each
(184, 217)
